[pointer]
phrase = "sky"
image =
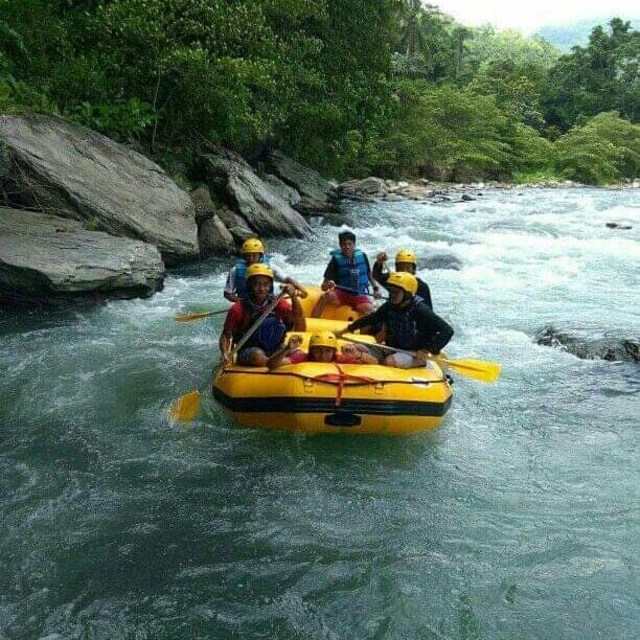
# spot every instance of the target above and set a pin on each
(530, 15)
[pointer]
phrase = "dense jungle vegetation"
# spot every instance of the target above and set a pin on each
(392, 87)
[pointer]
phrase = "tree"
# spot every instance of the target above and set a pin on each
(603, 76)
(603, 150)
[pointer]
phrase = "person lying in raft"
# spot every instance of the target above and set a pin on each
(346, 278)
(408, 324)
(406, 262)
(323, 347)
(252, 253)
(268, 338)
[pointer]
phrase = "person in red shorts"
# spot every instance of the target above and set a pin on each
(323, 347)
(347, 278)
(269, 336)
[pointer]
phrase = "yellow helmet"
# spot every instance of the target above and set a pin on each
(252, 245)
(406, 281)
(405, 255)
(323, 339)
(259, 269)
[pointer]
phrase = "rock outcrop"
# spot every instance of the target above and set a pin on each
(213, 236)
(263, 210)
(287, 193)
(45, 257)
(317, 195)
(67, 170)
(590, 348)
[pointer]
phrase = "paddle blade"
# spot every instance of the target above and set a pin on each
(186, 407)
(477, 369)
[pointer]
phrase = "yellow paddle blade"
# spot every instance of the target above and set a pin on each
(476, 369)
(186, 407)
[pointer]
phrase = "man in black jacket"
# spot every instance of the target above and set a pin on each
(408, 323)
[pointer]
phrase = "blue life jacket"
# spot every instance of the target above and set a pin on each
(241, 267)
(352, 272)
(401, 325)
(270, 334)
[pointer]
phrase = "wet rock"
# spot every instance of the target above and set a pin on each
(317, 195)
(617, 225)
(213, 236)
(262, 210)
(442, 261)
(67, 170)
(45, 257)
(365, 188)
(588, 347)
(282, 189)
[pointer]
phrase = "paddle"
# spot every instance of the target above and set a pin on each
(197, 315)
(477, 369)
(186, 406)
(355, 292)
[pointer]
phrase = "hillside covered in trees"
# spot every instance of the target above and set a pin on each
(393, 88)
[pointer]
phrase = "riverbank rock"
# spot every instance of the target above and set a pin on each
(317, 195)
(590, 348)
(213, 236)
(363, 190)
(287, 193)
(263, 210)
(372, 188)
(67, 170)
(45, 257)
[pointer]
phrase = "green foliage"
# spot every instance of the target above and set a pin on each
(488, 46)
(603, 76)
(346, 86)
(455, 133)
(604, 150)
(516, 89)
(535, 176)
(121, 121)
(92, 225)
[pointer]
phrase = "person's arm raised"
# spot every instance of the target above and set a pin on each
(297, 313)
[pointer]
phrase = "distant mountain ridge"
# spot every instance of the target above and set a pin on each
(571, 34)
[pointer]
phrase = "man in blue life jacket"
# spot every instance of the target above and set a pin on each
(408, 324)
(252, 253)
(269, 337)
(406, 262)
(346, 278)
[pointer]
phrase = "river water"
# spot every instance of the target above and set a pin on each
(518, 518)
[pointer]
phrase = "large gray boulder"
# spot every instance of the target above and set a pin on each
(67, 170)
(317, 195)
(265, 212)
(44, 257)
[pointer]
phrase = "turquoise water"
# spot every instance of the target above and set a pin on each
(518, 518)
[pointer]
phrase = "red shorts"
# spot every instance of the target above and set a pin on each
(353, 300)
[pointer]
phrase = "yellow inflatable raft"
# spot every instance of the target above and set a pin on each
(312, 397)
